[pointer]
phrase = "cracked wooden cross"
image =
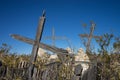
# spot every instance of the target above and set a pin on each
(36, 44)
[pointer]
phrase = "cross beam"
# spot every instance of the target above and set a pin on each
(89, 37)
(41, 45)
(59, 51)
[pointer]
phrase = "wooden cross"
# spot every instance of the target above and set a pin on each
(36, 44)
(89, 37)
(54, 38)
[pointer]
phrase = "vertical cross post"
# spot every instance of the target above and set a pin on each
(36, 45)
(53, 37)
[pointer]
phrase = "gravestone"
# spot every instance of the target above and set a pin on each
(90, 74)
(78, 72)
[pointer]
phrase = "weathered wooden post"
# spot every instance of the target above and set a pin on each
(36, 45)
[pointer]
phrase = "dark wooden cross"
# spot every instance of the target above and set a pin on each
(89, 37)
(36, 44)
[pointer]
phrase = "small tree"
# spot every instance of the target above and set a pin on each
(116, 45)
(5, 48)
(104, 43)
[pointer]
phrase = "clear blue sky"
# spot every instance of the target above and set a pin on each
(21, 17)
